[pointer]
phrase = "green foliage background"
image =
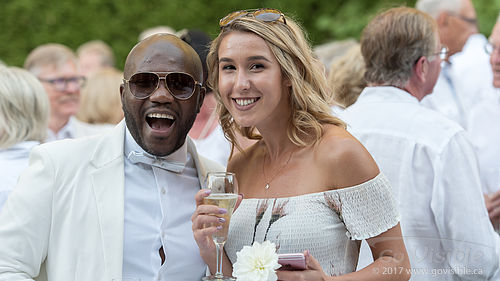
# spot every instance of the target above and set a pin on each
(25, 24)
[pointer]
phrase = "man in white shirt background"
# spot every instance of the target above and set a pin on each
(425, 156)
(55, 65)
(118, 204)
(466, 69)
(484, 131)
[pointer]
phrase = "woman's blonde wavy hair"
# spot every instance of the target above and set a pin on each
(309, 94)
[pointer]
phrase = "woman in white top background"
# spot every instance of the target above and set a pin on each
(24, 113)
(309, 186)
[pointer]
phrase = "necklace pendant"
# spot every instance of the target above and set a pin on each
(267, 186)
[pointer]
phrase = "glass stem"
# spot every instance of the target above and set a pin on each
(220, 248)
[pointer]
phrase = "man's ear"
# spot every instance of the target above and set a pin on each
(122, 88)
(420, 69)
(201, 98)
(442, 19)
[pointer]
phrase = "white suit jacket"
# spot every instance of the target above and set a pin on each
(64, 219)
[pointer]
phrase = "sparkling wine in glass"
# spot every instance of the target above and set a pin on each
(224, 195)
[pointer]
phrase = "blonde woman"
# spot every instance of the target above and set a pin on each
(309, 186)
(346, 76)
(100, 98)
(24, 117)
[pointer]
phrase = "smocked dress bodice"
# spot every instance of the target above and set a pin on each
(329, 224)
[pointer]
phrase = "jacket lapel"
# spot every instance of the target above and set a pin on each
(203, 165)
(108, 186)
(108, 181)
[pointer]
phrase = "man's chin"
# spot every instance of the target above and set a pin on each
(66, 115)
(161, 146)
(68, 112)
(159, 151)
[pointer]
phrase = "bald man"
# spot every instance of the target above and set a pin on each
(118, 204)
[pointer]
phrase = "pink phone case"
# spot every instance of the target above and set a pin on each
(295, 261)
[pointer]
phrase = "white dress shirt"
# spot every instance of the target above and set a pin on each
(337, 110)
(484, 133)
(433, 170)
(215, 146)
(77, 129)
(13, 161)
(444, 98)
(158, 208)
(66, 132)
(472, 72)
(461, 81)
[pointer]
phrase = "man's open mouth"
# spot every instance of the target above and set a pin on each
(160, 121)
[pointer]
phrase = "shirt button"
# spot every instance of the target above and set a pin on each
(163, 191)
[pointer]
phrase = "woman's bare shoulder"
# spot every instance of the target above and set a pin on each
(240, 159)
(345, 158)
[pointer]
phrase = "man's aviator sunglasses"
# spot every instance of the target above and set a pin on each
(266, 15)
(143, 84)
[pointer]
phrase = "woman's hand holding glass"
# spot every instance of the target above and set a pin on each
(206, 222)
(214, 207)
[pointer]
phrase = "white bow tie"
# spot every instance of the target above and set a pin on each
(140, 157)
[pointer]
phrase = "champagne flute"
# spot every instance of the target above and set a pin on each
(224, 195)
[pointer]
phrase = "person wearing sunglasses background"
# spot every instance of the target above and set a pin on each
(307, 182)
(117, 204)
(465, 71)
(55, 65)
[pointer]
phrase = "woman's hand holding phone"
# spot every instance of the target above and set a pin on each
(300, 266)
(295, 261)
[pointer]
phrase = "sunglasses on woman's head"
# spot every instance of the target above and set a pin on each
(266, 15)
(143, 84)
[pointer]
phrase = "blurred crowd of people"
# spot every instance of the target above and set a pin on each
(420, 92)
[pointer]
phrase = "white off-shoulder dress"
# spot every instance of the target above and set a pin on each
(329, 224)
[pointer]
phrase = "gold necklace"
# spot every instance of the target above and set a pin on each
(277, 173)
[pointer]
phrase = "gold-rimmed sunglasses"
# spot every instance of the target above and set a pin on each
(264, 14)
(143, 84)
